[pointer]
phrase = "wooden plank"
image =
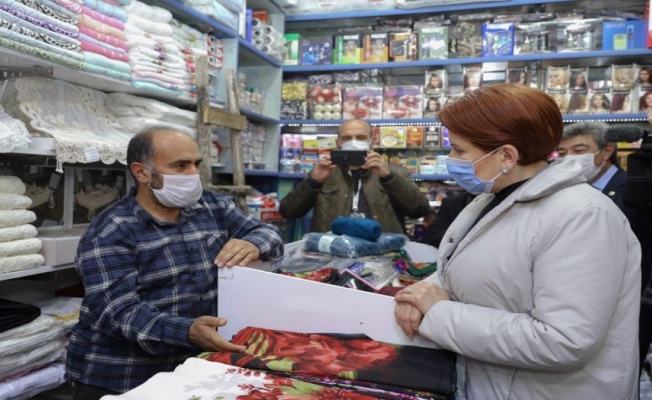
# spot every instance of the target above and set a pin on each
(204, 132)
(215, 116)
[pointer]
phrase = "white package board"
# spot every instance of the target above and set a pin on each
(250, 297)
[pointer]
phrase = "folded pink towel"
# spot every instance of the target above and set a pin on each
(95, 48)
(90, 22)
(105, 19)
(113, 41)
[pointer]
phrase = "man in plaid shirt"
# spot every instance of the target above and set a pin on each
(149, 268)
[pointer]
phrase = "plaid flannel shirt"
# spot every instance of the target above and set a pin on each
(146, 281)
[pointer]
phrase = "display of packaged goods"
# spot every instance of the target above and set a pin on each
(561, 98)
(558, 77)
(414, 137)
(317, 50)
(465, 39)
(535, 37)
(374, 48)
(292, 47)
(579, 34)
(473, 78)
(403, 46)
(431, 136)
(362, 102)
(403, 102)
(433, 42)
(497, 39)
(392, 137)
(325, 102)
(347, 49)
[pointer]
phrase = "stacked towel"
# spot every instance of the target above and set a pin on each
(158, 61)
(19, 245)
(102, 38)
(44, 29)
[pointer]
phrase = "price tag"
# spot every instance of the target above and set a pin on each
(91, 154)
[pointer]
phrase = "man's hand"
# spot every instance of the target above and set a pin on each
(377, 164)
(413, 302)
(322, 170)
(203, 333)
(237, 252)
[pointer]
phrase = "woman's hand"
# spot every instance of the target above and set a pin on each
(414, 302)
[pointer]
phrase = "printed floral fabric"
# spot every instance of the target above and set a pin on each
(406, 370)
(199, 379)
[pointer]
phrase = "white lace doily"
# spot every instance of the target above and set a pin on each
(13, 133)
(75, 116)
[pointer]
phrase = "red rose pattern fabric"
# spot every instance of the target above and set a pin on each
(339, 360)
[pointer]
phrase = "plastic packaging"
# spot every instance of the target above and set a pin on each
(348, 246)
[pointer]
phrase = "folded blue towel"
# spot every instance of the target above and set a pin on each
(362, 228)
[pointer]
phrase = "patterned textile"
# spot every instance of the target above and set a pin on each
(39, 43)
(107, 9)
(98, 60)
(199, 379)
(92, 23)
(111, 40)
(41, 53)
(50, 9)
(95, 48)
(28, 14)
(15, 24)
(353, 357)
(112, 22)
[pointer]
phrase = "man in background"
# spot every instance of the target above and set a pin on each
(377, 190)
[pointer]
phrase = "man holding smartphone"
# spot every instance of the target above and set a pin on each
(368, 188)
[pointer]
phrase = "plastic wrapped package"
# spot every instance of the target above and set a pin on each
(349, 246)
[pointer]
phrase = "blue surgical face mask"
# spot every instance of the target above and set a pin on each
(463, 172)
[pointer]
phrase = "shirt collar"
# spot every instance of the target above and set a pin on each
(602, 181)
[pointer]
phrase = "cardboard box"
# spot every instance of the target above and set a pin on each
(347, 49)
(403, 46)
(622, 35)
(317, 50)
(291, 49)
(433, 42)
(374, 48)
(497, 39)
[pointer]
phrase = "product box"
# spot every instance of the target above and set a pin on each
(347, 49)
(435, 82)
(622, 35)
(497, 39)
(539, 37)
(649, 25)
(414, 137)
(579, 35)
(392, 137)
(431, 135)
(433, 42)
(402, 102)
(291, 49)
(561, 97)
(317, 50)
(465, 39)
(362, 102)
(403, 46)
(325, 102)
(622, 77)
(374, 48)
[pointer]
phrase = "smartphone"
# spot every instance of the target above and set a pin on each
(348, 157)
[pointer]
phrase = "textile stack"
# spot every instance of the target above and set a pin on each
(158, 62)
(19, 245)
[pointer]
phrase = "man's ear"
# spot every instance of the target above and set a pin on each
(140, 172)
(609, 149)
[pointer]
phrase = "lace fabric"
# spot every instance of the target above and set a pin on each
(75, 116)
(13, 133)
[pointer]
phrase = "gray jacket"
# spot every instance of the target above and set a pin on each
(546, 290)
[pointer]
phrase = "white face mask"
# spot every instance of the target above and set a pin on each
(355, 145)
(589, 170)
(179, 191)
